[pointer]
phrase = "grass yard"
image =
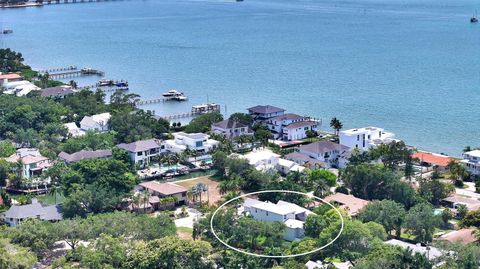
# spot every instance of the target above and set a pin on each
(185, 233)
(213, 195)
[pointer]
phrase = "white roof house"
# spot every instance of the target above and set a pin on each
(471, 161)
(264, 160)
(430, 252)
(19, 88)
(97, 122)
(198, 141)
(292, 215)
(73, 129)
(321, 265)
(365, 138)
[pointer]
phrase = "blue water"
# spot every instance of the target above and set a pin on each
(412, 67)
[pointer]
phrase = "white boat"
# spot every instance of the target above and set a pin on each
(180, 98)
(172, 93)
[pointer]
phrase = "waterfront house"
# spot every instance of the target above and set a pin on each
(159, 191)
(365, 138)
(57, 92)
(198, 142)
(73, 130)
(326, 152)
(231, 128)
(292, 215)
(97, 123)
(351, 204)
(291, 126)
(19, 213)
(84, 155)
(141, 152)
(433, 160)
(265, 112)
(432, 253)
(9, 77)
(33, 163)
(471, 161)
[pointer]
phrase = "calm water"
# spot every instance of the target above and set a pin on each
(412, 67)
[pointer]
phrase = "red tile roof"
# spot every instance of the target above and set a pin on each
(10, 76)
(432, 158)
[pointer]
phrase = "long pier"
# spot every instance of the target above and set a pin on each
(103, 88)
(71, 71)
(49, 2)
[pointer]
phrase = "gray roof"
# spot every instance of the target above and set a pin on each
(288, 116)
(56, 91)
(85, 154)
(323, 146)
(142, 145)
(260, 109)
(301, 124)
(229, 124)
(34, 210)
(297, 156)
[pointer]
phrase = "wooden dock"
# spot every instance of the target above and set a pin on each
(72, 71)
(103, 88)
(196, 110)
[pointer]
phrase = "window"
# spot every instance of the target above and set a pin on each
(199, 144)
(139, 153)
(368, 136)
(358, 137)
(266, 212)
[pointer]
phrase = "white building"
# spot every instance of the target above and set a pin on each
(430, 252)
(365, 138)
(141, 152)
(291, 126)
(231, 129)
(10, 77)
(19, 88)
(292, 215)
(73, 129)
(326, 152)
(471, 161)
(33, 163)
(198, 142)
(264, 160)
(98, 123)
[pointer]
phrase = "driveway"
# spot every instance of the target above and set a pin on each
(193, 216)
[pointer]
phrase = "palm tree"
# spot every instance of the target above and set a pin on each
(336, 124)
(145, 199)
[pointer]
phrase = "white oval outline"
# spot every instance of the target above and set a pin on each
(281, 256)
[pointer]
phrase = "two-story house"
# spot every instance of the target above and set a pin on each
(98, 122)
(141, 152)
(33, 163)
(262, 113)
(365, 138)
(327, 152)
(471, 161)
(292, 215)
(198, 142)
(231, 128)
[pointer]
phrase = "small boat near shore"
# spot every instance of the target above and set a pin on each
(105, 82)
(7, 31)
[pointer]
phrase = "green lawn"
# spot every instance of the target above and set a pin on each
(49, 199)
